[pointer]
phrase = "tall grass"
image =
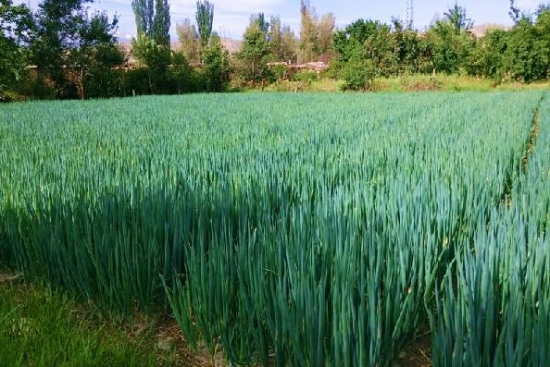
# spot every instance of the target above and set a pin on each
(495, 305)
(293, 229)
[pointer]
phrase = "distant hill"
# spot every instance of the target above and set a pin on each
(482, 29)
(233, 46)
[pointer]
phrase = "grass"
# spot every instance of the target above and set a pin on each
(43, 327)
(410, 83)
(304, 236)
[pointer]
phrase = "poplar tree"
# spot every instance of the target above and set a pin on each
(152, 45)
(205, 19)
(308, 32)
(153, 20)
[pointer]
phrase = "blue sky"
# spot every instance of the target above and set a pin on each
(231, 16)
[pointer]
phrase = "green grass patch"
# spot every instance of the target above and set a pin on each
(41, 327)
(410, 83)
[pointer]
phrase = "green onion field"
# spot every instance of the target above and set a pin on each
(295, 229)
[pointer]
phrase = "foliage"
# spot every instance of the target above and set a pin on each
(96, 54)
(359, 74)
(204, 16)
(282, 41)
(450, 47)
(152, 45)
(75, 51)
(316, 35)
(325, 31)
(188, 40)
(183, 77)
(306, 76)
(520, 53)
(408, 52)
(457, 18)
(349, 41)
(157, 59)
(308, 32)
(450, 42)
(527, 56)
(68, 37)
(487, 56)
(15, 25)
(255, 53)
(107, 84)
(153, 20)
(216, 68)
(381, 48)
(161, 26)
(367, 49)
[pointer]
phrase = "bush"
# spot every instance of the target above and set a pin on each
(107, 84)
(358, 75)
(305, 76)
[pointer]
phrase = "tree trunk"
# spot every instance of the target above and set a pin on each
(80, 85)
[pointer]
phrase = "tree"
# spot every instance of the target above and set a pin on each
(514, 11)
(408, 47)
(358, 72)
(486, 58)
(216, 68)
(449, 41)
(153, 20)
(262, 23)
(367, 49)
(349, 41)
(449, 47)
(144, 12)
(68, 37)
(542, 8)
(156, 58)
(527, 56)
(152, 45)
(16, 25)
(325, 32)
(308, 32)
(456, 16)
(255, 52)
(282, 41)
(189, 40)
(183, 76)
(382, 49)
(161, 24)
(205, 18)
(96, 52)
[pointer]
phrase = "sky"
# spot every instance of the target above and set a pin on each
(231, 17)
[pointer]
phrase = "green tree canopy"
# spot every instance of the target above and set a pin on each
(16, 28)
(458, 19)
(353, 37)
(71, 44)
(255, 52)
(282, 41)
(205, 18)
(216, 69)
(189, 40)
(153, 20)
